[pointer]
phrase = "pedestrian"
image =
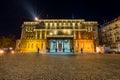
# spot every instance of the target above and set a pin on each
(38, 50)
(81, 50)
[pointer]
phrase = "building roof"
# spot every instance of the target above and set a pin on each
(112, 21)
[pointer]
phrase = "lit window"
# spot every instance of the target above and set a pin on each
(68, 31)
(55, 24)
(64, 24)
(60, 24)
(46, 24)
(68, 24)
(78, 24)
(55, 31)
(73, 24)
(51, 24)
(51, 33)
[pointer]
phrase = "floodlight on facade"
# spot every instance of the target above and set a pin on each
(36, 19)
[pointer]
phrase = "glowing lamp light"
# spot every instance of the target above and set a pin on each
(1, 52)
(98, 49)
(10, 48)
(36, 19)
(12, 52)
(51, 33)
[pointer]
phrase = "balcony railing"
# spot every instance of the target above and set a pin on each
(57, 36)
(60, 29)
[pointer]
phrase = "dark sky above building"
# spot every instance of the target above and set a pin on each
(14, 12)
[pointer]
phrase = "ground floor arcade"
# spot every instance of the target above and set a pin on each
(57, 45)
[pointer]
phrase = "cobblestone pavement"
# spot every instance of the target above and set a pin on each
(60, 67)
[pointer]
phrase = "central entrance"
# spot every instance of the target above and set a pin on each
(60, 45)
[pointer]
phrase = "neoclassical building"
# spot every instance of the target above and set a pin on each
(110, 33)
(59, 36)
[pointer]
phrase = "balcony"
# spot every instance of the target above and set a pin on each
(60, 29)
(60, 36)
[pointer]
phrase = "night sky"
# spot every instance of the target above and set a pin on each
(14, 12)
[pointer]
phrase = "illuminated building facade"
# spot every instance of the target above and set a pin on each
(59, 36)
(110, 33)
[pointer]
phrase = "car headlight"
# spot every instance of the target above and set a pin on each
(12, 52)
(1, 51)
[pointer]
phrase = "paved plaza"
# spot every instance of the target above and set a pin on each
(60, 67)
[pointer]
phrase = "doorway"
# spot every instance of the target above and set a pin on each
(60, 45)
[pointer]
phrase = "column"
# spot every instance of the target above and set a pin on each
(36, 35)
(79, 35)
(45, 34)
(40, 35)
(74, 35)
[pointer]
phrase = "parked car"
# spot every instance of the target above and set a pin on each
(6, 51)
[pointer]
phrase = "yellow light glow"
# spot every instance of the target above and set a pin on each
(36, 19)
(12, 52)
(98, 49)
(51, 24)
(55, 32)
(55, 28)
(55, 24)
(1, 52)
(69, 32)
(51, 33)
(46, 24)
(64, 30)
(84, 44)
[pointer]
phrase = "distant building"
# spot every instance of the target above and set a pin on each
(110, 33)
(59, 35)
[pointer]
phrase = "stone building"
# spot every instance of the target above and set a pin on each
(110, 33)
(59, 36)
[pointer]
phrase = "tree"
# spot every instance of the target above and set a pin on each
(6, 42)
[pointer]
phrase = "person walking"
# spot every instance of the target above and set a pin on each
(38, 50)
(81, 50)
